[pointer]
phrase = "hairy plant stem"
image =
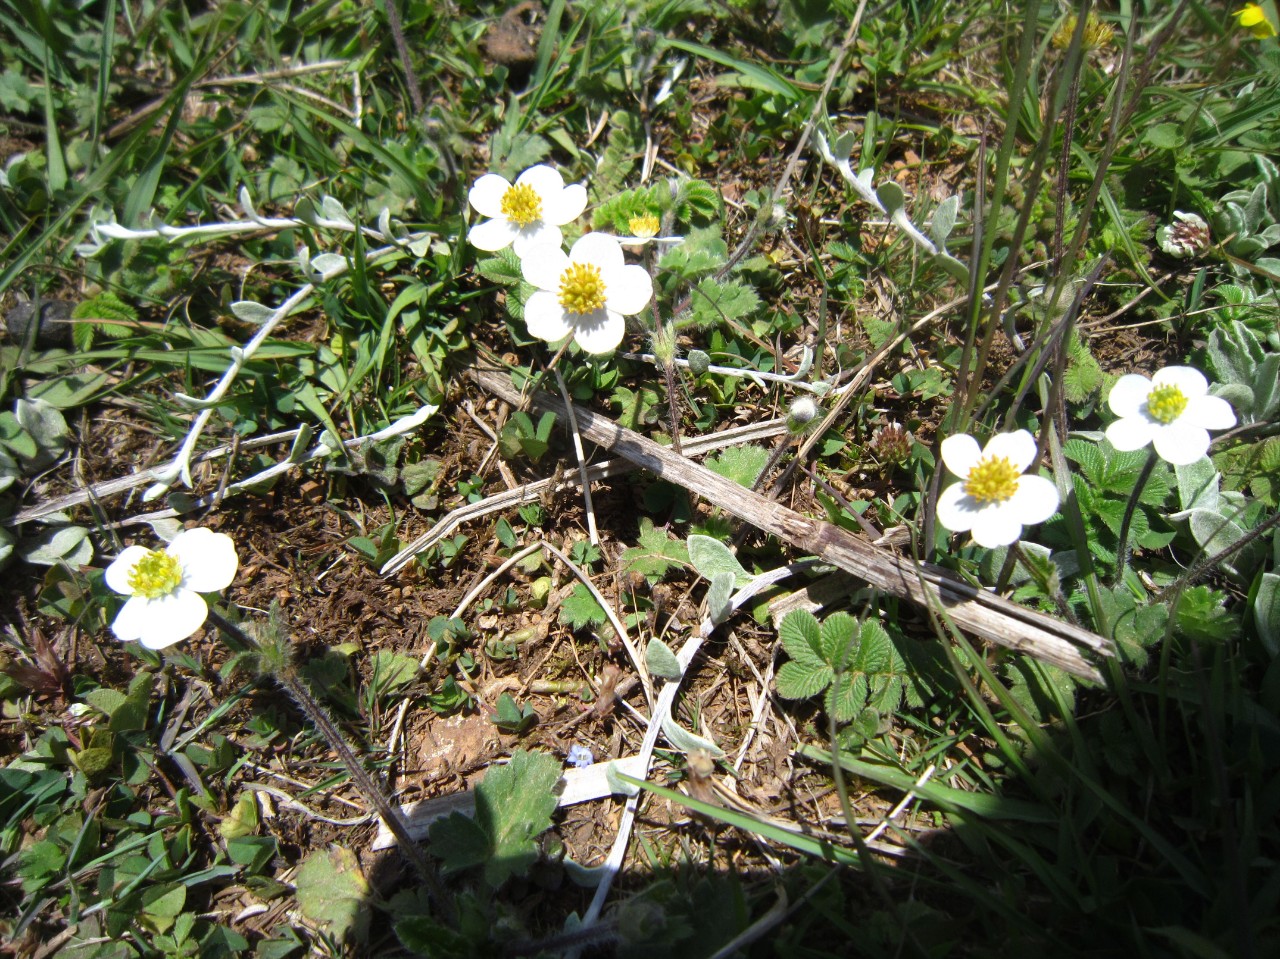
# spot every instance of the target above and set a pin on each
(1122, 545)
(284, 672)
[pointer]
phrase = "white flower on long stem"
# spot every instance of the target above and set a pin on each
(526, 213)
(164, 586)
(993, 499)
(1173, 410)
(585, 293)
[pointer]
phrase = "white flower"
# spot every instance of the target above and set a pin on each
(1173, 410)
(1189, 236)
(164, 586)
(994, 499)
(526, 213)
(585, 293)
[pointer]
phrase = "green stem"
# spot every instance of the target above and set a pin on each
(286, 674)
(1122, 547)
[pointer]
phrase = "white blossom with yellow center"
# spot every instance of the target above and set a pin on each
(995, 498)
(164, 586)
(585, 293)
(1173, 411)
(526, 213)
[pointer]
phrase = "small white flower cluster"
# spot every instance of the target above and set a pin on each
(585, 293)
(1172, 411)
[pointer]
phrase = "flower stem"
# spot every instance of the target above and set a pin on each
(1122, 547)
(275, 657)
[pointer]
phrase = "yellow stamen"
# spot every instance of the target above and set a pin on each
(643, 226)
(1166, 403)
(156, 574)
(522, 205)
(581, 288)
(992, 480)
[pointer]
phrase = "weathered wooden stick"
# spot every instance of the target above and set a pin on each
(978, 611)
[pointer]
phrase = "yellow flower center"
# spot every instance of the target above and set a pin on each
(156, 574)
(643, 226)
(993, 480)
(1166, 403)
(522, 205)
(581, 288)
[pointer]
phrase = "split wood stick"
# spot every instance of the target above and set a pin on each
(976, 610)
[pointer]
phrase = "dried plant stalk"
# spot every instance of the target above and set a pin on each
(975, 610)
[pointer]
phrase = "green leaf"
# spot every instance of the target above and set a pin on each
(392, 672)
(580, 609)
(796, 681)
(835, 639)
(514, 805)
(1164, 136)
(742, 464)
(502, 268)
(657, 553)
(719, 596)
(332, 891)
(661, 661)
(718, 301)
(709, 557)
(801, 638)
(1266, 611)
(1202, 616)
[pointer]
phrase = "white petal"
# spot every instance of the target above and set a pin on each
(545, 180)
(1186, 378)
(1131, 433)
(996, 526)
(492, 235)
(566, 206)
(956, 509)
(536, 235)
(119, 571)
(628, 290)
(1209, 412)
(599, 332)
(598, 249)
(1035, 500)
(486, 194)
(1128, 394)
(133, 616)
(544, 265)
(1018, 447)
(1181, 443)
(208, 559)
(960, 453)
(544, 316)
(172, 618)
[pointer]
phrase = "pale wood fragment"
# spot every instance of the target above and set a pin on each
(975, 610)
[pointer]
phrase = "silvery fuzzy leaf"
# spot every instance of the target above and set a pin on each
(709, 556)
(70, 544)
(661, 661)
(718, 597)
(251, 312)
(685, 741)
(331, 209)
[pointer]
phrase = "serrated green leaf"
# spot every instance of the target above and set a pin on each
(836, 637)
(846, 697)
(742, 464)
(797, 681)
(657, 553)
(502, 268)
(580, 609)
(801, 637)
(514, 805)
